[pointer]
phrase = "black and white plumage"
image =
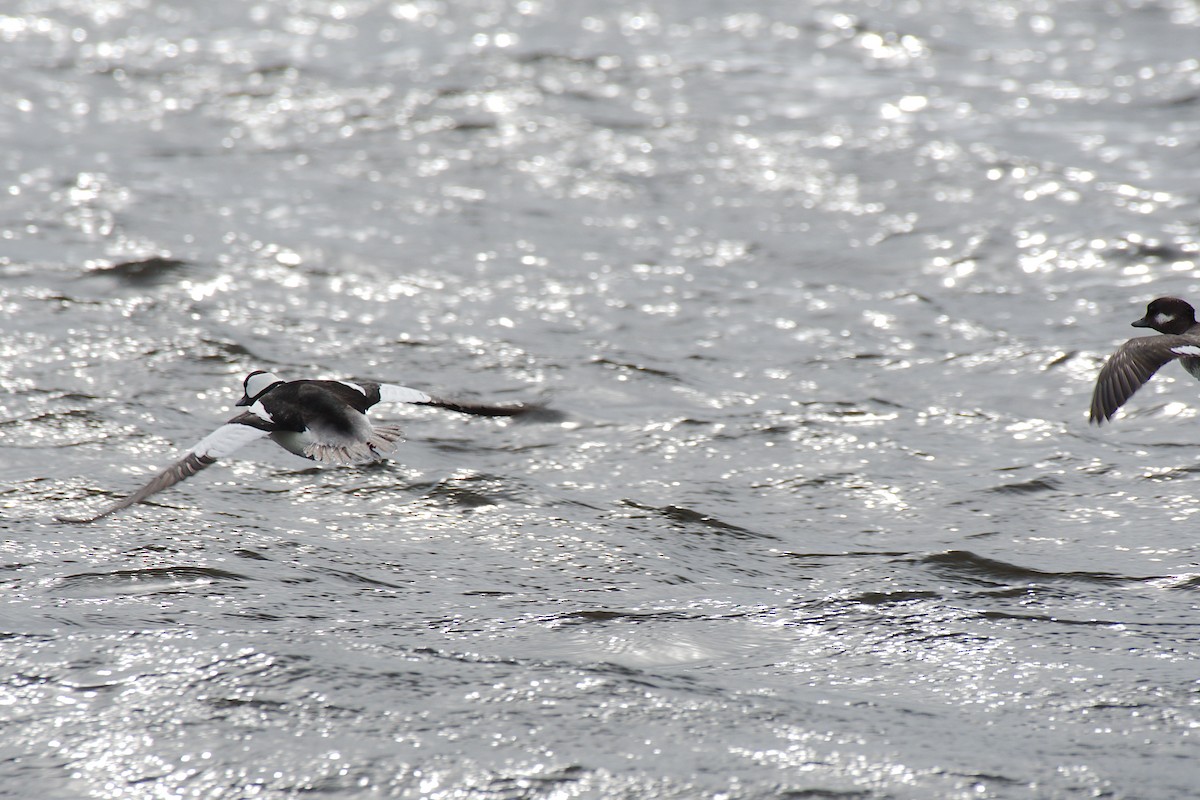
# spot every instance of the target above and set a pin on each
(1138, 359)
(324, 421)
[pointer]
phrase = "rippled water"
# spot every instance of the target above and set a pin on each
(820, 290)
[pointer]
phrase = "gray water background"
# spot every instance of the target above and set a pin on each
(820, 289)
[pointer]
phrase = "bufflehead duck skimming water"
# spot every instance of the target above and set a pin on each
(325, 421)
(1138, 359)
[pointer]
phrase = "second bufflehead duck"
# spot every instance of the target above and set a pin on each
(1138, 359)
(324, 421)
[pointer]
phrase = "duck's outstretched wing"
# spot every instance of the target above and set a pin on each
(391, 393)
(238, 432)
(1134, 363)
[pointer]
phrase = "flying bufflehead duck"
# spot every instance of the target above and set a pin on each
(1138, 359)
(324, 421)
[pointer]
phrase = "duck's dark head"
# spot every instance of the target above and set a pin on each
(1168, 315)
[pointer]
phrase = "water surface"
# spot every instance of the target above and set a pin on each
(820, 290)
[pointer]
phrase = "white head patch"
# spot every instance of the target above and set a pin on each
(1162, 319)
(1186, 350)
(259, 382)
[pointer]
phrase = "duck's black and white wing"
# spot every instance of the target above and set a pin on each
(1134, 363)
(238, 432)
(392, 393)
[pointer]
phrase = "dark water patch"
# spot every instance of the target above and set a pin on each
(845, 412)
(471, 125)
(629, 366)
(460, 445)
(555, 782)
(821, 558)
(70, 419)
(841, 479)
(607, 615)
(311, 471)
(824, 794)
(689, 520)
(260, 615)
(1136, 250)
(220, 704)
(465, 657)
(396, 488)
(981, 534)
(1009, 592)
(554, 57)
(149, 580)
(348, 576)
(471, 492)
(1182, 100)
(227, 352)
(1181, 443)
(1055, 619)
(145, 272)
(252, 555)
(462, 497)
(965, 565)
(1032, 486)
(892, 598)
(762, 429)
